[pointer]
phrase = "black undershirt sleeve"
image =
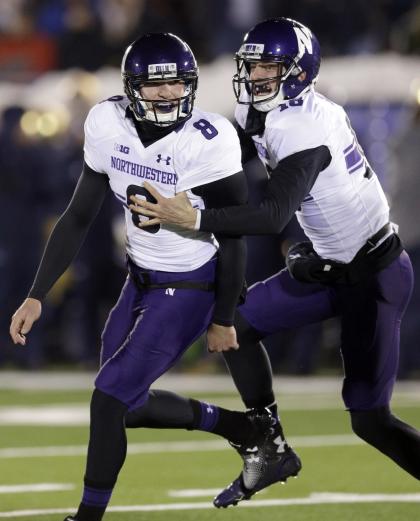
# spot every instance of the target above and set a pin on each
(231, 264)
(290, 182)
(70, 231)
(247, 145)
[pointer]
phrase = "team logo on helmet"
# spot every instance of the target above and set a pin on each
(304, 39)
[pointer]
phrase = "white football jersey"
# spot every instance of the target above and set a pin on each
(344, 207)
(206, 148)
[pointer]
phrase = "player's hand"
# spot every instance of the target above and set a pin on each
(221, 338)
(175, 210)
(23, 319)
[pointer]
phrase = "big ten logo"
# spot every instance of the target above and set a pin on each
(121, 148)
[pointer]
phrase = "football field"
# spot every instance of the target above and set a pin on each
(173, 475)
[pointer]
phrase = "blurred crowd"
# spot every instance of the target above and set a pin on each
(39, 169)
(39, 35)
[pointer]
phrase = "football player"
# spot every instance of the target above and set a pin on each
(353, 265)
(179, 282)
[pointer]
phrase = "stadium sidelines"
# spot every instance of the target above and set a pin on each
(336, 440)
(323, 498)
(72, 414)
(179, 382)
(182, 382)
(294, 393)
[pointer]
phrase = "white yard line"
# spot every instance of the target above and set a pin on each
(35, 487)
(77, 414)
(180, 382)
(196, 492)
(173, 446)
(324, 498)
(52, 415)
(200, 492)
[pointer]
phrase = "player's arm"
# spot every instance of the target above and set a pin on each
(247, 145)
(62, 246)
(231, 264)
(290, 182)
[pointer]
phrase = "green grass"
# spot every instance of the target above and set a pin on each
(147, 478)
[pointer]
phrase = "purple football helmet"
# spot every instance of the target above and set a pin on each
(282, 41)
(155, 59)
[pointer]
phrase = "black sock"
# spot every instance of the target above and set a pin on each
(251, 371)
(106, 454)
(163, 410)
(394, 438)
(250, 367)
(89, 513)
(279, 428)
(232, 425)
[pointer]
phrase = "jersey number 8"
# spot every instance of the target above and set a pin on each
(142, 193)
(206, 128)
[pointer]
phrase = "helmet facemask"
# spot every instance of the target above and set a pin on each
(281, 41)
(161, 112)
(251, 92)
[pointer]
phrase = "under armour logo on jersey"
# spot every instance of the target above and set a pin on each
(170, 291)
(160, 158)
(209, 409)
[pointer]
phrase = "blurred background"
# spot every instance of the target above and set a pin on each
(60, 57)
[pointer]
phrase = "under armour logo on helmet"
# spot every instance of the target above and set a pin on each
(160, 158)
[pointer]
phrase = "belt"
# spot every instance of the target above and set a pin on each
(373, 241)
(142, 280)
(176, 284)
(305, 265)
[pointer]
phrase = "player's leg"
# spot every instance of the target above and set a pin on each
(107, 433)
(167, 410)
(372, 314)
(120, 320)
(277, 303)
(251, 372)
(165, 326)
(274, 304)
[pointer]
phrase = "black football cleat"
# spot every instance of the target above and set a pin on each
(232, 494)
(270, 461)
